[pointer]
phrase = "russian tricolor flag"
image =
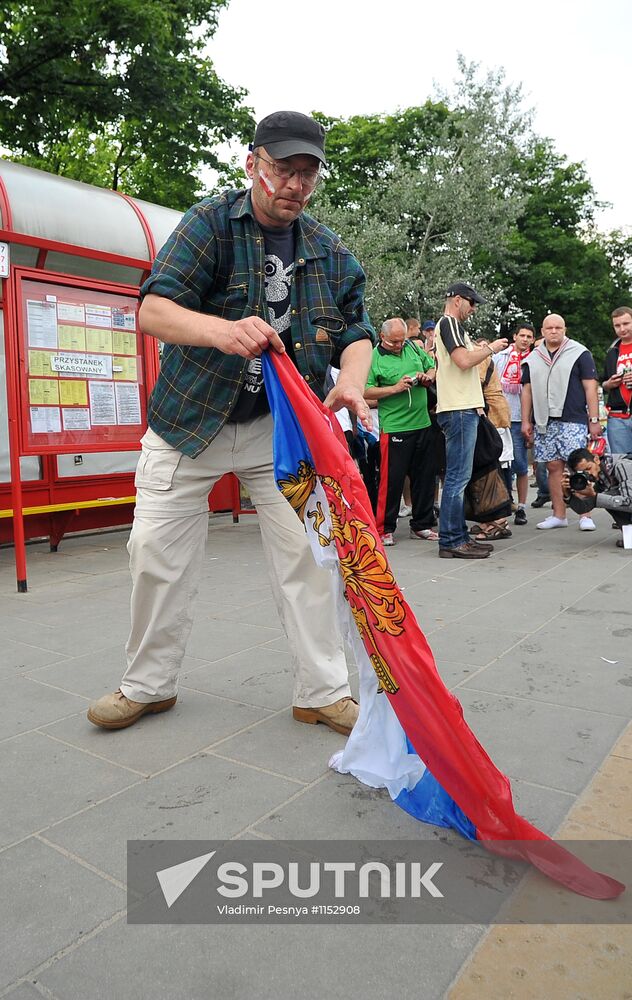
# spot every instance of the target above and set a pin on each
(411, 737)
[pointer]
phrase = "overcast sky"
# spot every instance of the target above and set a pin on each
(345, 57)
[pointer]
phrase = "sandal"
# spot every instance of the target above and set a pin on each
(490, 534)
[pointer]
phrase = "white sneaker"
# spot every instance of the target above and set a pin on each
(553, 522)
(586, 523)
(404, 510)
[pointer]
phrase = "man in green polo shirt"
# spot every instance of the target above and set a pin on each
(399, 374)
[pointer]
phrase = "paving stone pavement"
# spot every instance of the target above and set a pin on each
(535, 642)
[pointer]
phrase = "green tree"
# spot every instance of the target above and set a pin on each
(442, 209)
(360, 149)
(117, 93)
(559, 261)
(462, 188)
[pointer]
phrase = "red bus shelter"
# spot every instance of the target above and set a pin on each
(75, 368)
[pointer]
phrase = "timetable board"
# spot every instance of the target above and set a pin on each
(82, 368)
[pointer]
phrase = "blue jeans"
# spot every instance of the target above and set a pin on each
(520, 465)
(619, 433)
(542, 479)
(459, 428)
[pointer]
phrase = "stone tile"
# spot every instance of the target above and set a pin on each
(37, 577)
(544, 807)
(86, 607)
(283, 745)
(608, 597)
(203, 797)
(573, 829)
(68, 590)
(565, 962)
(43, 781)
(90, 675)
(26, 992)
(23, 656)
(280, 644)
(26, 705)
(453, 672)
(95, 673)
(258, 613)
(545, 744)
(341, 808)
(158, 741)
(262, 676)
(475, 646)
(47, 901)
(607, 804)
(268, 962)
(562, 671)
(231, 589)
(70, 637)
(216, 639)
(623, 748)
(572, 634)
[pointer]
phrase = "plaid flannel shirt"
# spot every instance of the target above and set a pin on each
(213, 263)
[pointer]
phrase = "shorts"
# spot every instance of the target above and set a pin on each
(520, 464)
(559, 440)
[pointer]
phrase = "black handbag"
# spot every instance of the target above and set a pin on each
(486, 496)
(489, 445)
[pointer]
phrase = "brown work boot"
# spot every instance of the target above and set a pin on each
(486, 546)
(469, 550)
(115, 711)
(341, 716)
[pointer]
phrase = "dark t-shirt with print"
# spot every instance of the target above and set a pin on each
(574, 411)
(279, 267)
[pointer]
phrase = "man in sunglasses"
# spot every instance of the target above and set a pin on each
(459, 403)
(243, 272)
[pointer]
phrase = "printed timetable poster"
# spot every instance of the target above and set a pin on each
(82, 369)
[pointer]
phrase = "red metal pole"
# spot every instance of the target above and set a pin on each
(13, 408)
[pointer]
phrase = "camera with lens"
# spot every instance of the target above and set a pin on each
(578, 481)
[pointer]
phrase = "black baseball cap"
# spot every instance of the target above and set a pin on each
(465, 291)
(286, 133)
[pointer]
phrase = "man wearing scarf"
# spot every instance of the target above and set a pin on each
(509, 367)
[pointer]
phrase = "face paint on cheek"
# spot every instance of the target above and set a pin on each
(266, 184)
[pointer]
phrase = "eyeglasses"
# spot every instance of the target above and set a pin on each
(308, 178)
(473, 303)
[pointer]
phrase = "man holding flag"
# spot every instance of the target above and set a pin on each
(243, 271)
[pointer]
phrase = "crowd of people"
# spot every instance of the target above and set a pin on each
(436, 392)
(250, 270)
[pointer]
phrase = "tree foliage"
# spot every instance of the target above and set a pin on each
(118, 94)
(439, 192)
(462, 188)
(360, 149)
(560, 261)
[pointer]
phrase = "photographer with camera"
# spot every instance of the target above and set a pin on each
(595, 481)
